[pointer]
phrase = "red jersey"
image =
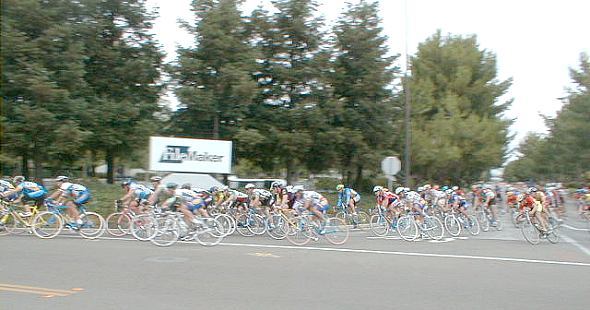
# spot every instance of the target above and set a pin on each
(387, 196)
(528, 202)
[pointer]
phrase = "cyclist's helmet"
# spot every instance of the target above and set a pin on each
(420, 189)
(156, 178)
(406, 189)
(186, 186)
(298, 188)
(214, 189)
(520, 197)
(532, 190)
(427, 187)
(249, 186)
(18, 179)
(449, 191)
(125, 183)
(61, 178)
(171, 185)
(339, 187)
(399, 190)
(276, 184)
(455, 188)
(444, 188)
(377, 189)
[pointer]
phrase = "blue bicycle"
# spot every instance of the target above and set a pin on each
(48, 224)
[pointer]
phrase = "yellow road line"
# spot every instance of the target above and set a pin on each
(8, 289)
(33, 289)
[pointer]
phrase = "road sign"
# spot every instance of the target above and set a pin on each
(390, 165)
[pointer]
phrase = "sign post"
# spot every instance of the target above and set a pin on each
(390, 167)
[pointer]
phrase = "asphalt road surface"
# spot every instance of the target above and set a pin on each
(495, 270)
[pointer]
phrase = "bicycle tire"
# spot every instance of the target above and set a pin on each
(257, 224)
(275, 227)
(167, 232)
(208, 236)
(342, 215)
(297, 233)
(93, 225)
(379, 225)
(473, 225)
(12, 225)
(435, 227)
(452, 225)
(143, 227)
(407, 228)
(484, 222)
(530, 232)
(47, 225)
(336, 231)
(227, 222)
(362, 219)
(242, 224)
(118, 224)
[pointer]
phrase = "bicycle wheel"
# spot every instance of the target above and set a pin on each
(256, 224)
(553, 236)
(434, 227)
(242, 224)
(10, 224)
(452, 225)
(47, 225)
(299, 233)
(275, 227)
(513, 217)
(92, 225)
(167, 232)
(336, 231)
(407, 228)
(379, 225)
(227, 223)
(208, 236)
(483, 220)
(118, 224)
(362, 219)
(530, 232)
(472, 225)
(143, 227)
(342, 215)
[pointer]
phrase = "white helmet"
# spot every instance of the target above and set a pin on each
(420, 189)
(377, 188)
(455, 188)
(406, 189)
(249, 186)
(449, 191)
(61, 178)
(298, 188)
(398, 190)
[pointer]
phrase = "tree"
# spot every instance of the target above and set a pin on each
(458, 131)
(361, 81)
(215, 83)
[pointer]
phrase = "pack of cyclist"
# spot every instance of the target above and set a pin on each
(193, 201)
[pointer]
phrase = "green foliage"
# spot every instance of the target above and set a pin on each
(564, 154)
(457, 130)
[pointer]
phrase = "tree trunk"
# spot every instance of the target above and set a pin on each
(358, 180)
(25, 165)
(291, 170)
(216, 126)
(93, 163)
(110, 158)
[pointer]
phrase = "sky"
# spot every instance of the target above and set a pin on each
(535, 42)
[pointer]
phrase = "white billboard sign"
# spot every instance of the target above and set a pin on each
(190, 155)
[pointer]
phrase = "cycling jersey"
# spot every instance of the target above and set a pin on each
(389, 197)
(265, 197)
(79, 193)
(346, 195)
(193, 200)
(139, 191)
(6, 186)
(31, 190)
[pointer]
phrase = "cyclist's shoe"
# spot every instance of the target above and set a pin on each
(72, 226)
(494, 224)
(25, 214)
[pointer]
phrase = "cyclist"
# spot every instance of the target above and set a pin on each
(528, 203)
(312, 201)
(26, 191)
(258, 197)
(159, 191)
(135, 194)
(413, 201)
(5, 187)
(348, 197)
(458, 202)
(186, 201)
(489, 202)
(387, 200)
(71, 195)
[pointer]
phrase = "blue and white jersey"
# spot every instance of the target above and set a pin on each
(413, 197)
(346, 195)
(73, 190)
(187, 195)
(31, 190)
(140, 191)
(5, 186)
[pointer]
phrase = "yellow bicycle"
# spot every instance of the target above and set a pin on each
(12, 222)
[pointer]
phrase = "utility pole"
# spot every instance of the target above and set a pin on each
(407, 124)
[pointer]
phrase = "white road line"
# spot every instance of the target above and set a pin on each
(575, 243)
(488, 258)
(574, 228)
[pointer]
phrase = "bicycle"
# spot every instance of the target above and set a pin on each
(409, 230)
(304, 227)
(484, 217)
(119, 222)
(172, 227)
(533, 233)
(250, 223)
(361, 217)
(12, 222)
(380, 223)
(48, 224)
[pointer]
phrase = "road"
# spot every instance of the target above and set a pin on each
(495, 270)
